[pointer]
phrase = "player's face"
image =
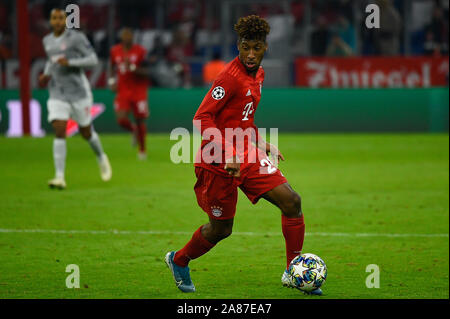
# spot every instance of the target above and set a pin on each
(126, 37)
(58, 21)
(251, 53)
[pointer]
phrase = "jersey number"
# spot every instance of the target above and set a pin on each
(270, 167)
(142, 107)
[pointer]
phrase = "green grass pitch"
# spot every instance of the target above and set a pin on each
(367, 199)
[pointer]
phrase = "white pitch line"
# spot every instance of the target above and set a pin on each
(166, 232)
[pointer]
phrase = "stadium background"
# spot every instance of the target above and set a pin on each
(391, 79)
(376, 196)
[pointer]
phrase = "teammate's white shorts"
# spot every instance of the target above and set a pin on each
(79, 111)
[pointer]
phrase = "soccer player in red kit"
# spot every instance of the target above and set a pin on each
(231, 104)
(128, 60)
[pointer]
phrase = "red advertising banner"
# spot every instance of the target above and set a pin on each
(371, 72)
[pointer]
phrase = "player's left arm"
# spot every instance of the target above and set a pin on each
(142, 67)
(261, 143)
(266, 147)
(88, 57)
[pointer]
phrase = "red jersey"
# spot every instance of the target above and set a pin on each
(230, 103)
(129, 84)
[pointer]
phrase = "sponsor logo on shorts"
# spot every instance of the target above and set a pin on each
(216, 211)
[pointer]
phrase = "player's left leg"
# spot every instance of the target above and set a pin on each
(141, 113)
(94, 142)
(59, 154)
(141, 129)
(203, 240)
(292, 223)
(264, 180)
(81, 113)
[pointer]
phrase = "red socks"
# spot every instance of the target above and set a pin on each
(195, 248)
(140, 130)
(126, 124)
(294, 233)
(141, 133)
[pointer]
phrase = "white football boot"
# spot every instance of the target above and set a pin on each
(57, 182)
(142, 156)
(105, 168)
(286, 280)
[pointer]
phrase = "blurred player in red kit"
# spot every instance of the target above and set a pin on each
(231, 104)
(128, 61)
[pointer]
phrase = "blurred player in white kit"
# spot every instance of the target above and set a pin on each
(69, 52)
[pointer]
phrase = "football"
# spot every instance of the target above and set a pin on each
(307, 272)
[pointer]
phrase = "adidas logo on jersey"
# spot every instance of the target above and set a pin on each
(248, 93)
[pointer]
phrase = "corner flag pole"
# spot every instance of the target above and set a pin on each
(24, 62)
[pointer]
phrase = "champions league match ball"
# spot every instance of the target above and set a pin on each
(307, 272)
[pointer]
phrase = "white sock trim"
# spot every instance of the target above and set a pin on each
(96, 145)
(59, 156)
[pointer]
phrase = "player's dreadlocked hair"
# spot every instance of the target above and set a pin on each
(252, 28)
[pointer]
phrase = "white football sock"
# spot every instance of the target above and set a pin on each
(96, 145)
(59, 156)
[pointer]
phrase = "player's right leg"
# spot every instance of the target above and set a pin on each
(58, 114)
(93, 139)
(122, 108)
(217, 196)
(81, 113)
(202, 241)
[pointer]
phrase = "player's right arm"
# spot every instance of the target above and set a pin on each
(44, 78)
(111, 72)
(214, 101)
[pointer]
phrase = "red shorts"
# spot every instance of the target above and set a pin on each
(138, 105)
(217, 194)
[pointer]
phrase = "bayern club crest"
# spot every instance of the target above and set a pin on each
(216, 211)
(218, 93)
